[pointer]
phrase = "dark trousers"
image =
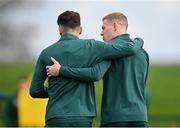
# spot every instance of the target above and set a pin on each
(70, 124)
(126, 124)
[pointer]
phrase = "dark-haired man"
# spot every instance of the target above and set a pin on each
(71, 102)
(124, 94)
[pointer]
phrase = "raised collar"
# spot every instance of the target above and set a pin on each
(123, 37)
(68, 36)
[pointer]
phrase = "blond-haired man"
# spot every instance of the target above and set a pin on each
(124, 79)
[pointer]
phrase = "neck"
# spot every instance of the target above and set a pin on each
(119, 33)
(72, 33)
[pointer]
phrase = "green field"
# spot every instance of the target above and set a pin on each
(163, 82)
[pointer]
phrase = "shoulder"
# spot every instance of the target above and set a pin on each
(48, 49)
(88, 40)
(93, 42)
(144, 53)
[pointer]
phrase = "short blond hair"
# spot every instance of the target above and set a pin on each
(117, 16)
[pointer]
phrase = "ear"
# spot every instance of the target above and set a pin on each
(80, 30)
(115, 26)
(61, 31)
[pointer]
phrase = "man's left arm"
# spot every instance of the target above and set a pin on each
(37, 89)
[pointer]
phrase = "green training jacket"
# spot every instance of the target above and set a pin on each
(69, 97)
(124, 94)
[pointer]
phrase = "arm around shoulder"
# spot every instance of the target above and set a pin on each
(94, 73)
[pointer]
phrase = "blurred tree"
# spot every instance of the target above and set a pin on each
(16, 31)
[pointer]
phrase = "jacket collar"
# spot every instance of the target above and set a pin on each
(123, 37)
(68, 36)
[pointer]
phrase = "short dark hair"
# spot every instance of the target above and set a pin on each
(69, 19)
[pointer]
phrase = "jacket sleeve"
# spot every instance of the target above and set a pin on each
(116, 50)
(37, 89)
(86, 74)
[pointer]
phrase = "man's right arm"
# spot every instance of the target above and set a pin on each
(94, 73)
(37, 88)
